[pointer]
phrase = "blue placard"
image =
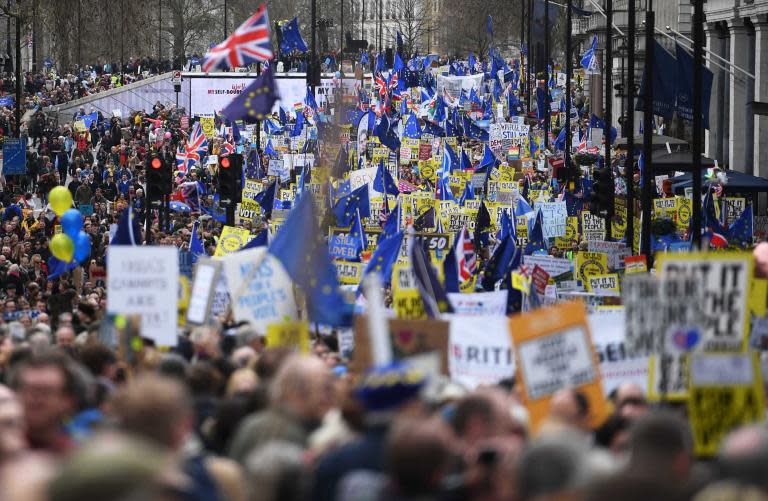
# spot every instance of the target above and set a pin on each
(343, 247)
(15, 157)
(86, 209)
(7, 101)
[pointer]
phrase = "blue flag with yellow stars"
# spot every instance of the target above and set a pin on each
(473, 131)
(357, 232)
(412, 129)
(501, 263)
(383, 182)
(432, 292)
(300, 249)
(384, 257)
(347, 206)
(292, 39)
(255, 102)
(266, 198)
(741, 230)
(536, 240)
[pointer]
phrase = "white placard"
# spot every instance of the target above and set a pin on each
(268, 296)
(554, 216)
(201, 296)
(145, 281)
(358, 178)
(557, 361)
(608, 329)
(479, 303)
(553, 265)
(480, 350)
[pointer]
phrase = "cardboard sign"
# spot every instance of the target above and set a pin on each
(553, 351)
(261, 290)
(293, 335)
(145, 281)
(480, 350)
(726, 391)
(724, 281)
(592, 227)
(604, 285)
(554, 217)
(411, 339)
(207, 273)
(231, 240)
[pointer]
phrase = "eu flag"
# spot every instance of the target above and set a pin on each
(346, 206)
(741, 230)
(341, 166)
(482, 224)
(383, 182)
(256, 101)
(412, 129)
(260, 240)
(300, 249)
(291, 39)
(357, 232)
(384, 257)
(266, 199)
(473, 131)
(536, 240)
(500, 264)
(434, 129)
(128, 229)
(391, 226)
(195, 244)
(386, 134)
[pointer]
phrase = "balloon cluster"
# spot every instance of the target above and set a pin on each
(72, 244)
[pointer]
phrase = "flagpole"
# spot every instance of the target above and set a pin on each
(607, 115)
(698, 55)
(570, 175)
(547, 105)
(528, 60)
(629, 160)
(647, 174)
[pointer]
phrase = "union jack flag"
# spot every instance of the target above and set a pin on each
(466, 255)
(249, 43)
(189, 153)
(227, 148)
(381, 85)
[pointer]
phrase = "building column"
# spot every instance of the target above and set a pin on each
(761, 94)
(713, 138)
(738, 98)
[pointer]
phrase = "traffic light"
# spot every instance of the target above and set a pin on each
(229, 179)
(158, 178)
(603, 191)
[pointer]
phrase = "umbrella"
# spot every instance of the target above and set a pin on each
(177, 206)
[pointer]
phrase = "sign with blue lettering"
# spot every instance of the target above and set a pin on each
(343, 247)
(14, 157)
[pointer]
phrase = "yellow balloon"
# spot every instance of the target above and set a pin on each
(62, 247)
(60, 200)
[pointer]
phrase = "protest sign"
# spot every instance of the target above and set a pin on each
(726, 392)
(665, 208)
(733, 207)
(553, 351)
(635, 264)
(617, 366)
(209, 127)
(552, 265)
(503, 135)
(616, 251)
(480, 350)
(221, 300)
(261, 290)
(410, 339)
(145, 281)
(406, 299)
(14, 157)
(619, 222)
(361, 177)
(592, 227)
(453, 85)
(590, 263)
(293, 335)
(207, 273)
(554, 217)
(231, 240)
(571, 237)
(604, 285)
(344, 246)
(479, 303)
(349, 273)
(723, 280)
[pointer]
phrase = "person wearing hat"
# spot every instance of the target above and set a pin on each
(386, 393)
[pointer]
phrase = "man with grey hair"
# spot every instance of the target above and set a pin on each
(554, 467)
(300, 395)
(744, 456)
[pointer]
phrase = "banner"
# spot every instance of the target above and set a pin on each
(145, 281)
(453, 85)
(260, 296)
(479, 303)
(480, 351)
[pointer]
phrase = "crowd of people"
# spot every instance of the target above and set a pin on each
(224, 416)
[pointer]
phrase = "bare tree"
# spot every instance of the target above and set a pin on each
(414, 22)
(464, 25)
(190, 21)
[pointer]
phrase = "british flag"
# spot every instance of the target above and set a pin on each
(381, 85)
(466, 256)
(189, 153)
(227, 148)
(250, 43)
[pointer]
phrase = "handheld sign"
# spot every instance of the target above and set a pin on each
(554, 351)
(207, 273)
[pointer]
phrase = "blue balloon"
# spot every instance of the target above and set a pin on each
(82, 247)
(72, 223)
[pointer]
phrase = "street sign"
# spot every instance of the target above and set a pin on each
(176, 78)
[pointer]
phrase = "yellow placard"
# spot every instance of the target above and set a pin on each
(715, 408)
(406, 300)
(619, 222)
(608, 282)
(590, 263)
(757, 297)
(665, 207)
(231, 240)
(684, 211)
(571, 237)
(349, 273)
(294, 335)
(208, 126)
